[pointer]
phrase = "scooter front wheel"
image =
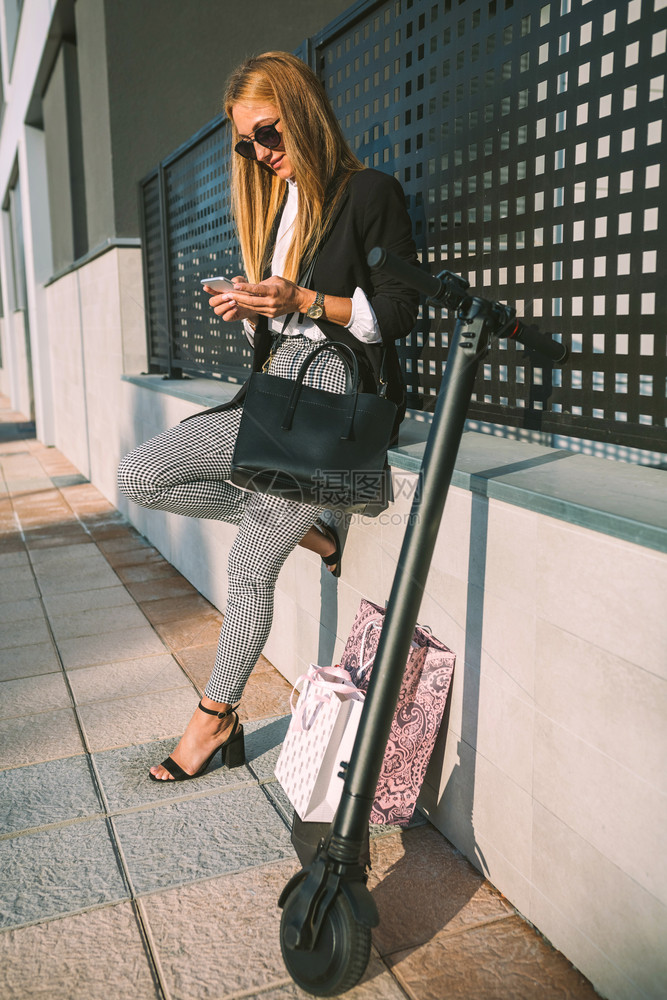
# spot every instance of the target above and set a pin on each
(340, 956)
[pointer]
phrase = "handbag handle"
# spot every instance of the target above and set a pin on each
(351, 369)
(351, 363)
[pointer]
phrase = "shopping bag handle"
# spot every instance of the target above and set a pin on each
(322, 690)
(369, 625)
(363, 667)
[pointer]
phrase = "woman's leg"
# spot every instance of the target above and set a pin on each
(185, 469)
(270, 529)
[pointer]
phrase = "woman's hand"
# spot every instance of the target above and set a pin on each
(274, 297)
(225, 306)
(271, 298)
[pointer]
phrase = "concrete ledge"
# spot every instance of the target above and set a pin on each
(615, 498)
(111, 243)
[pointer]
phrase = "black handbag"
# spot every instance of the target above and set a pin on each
(313, 446)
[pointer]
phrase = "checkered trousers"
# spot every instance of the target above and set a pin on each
(186, 470)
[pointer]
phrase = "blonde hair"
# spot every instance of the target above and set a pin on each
(320, 156)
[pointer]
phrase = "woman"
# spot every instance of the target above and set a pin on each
(307, 213)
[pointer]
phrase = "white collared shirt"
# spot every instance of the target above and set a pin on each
(362, 323)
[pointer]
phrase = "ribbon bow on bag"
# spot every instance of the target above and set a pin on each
(319, 739)
(321, 684)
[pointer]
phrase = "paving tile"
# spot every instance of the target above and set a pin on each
(24, 633)
(108, 524)
(82, 491)
(197, 630)
(104, 597)
(417, 864)
(24, 661)
(33, 504)
(263, 666)
(24, 476)
(127, 678)
(197, 661)
(124, 644)
(105, 530)
(34, 738)
(47, 494)
(238, 950)
(387, 830)
(124, 776)
(46, 538)
(201, 964)
(136, 555)
(155, 590)
(142, 719)
(32, 695)
(80, 577)
(10, 543)
(183, 841)
(266, 695)
(130, 539)
(66, 479)
(49, 516)
(279, 801)
(156, 569)
(263, 740)
(8, 560)
(173, 608)
(87, 505)
(58, 871)
(18, 586)
(21, 611)
(94, 621)
(104, 958)
(376, 984)
(51, 792)
(45, 559)
(502, 958)
(54, 463)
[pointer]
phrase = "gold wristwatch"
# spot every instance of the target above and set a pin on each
(316, 309)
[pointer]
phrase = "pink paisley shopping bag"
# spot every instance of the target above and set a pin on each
(320, 736)
(419, 712)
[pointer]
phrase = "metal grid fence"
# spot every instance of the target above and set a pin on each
(528, 139)
(188, 234)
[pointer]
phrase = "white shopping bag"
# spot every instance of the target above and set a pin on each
(320, 736)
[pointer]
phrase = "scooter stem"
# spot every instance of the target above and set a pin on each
(469, 344)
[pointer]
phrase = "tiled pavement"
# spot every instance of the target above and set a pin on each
(114, 887)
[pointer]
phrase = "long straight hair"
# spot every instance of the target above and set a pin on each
(322, 160)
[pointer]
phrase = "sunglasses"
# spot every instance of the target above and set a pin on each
(266, 135)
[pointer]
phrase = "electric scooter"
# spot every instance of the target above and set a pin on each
(328, 912)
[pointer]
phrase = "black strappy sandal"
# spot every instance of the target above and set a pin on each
(335, 559)
(232, 751)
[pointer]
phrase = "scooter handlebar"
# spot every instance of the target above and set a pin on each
(380, 259)
(531, 337)
(452, 290)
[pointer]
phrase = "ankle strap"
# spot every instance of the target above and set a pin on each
(220, 715)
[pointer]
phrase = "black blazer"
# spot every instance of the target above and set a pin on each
(371, 213)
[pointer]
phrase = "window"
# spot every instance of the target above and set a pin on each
(13, 10)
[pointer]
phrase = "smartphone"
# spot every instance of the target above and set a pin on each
(218, 284)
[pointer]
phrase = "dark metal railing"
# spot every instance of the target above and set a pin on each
(528, 139)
